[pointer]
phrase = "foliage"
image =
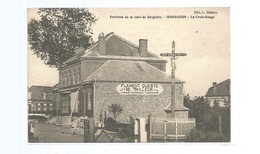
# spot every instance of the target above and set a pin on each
(59, 32)
(207, 117)
(200, 136)
(200, 110)
(115, 109)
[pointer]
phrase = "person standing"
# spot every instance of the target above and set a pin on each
(31, 132)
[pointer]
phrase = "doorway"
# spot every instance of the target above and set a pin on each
(88, 102)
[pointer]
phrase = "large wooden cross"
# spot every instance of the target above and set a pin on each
(173, 56)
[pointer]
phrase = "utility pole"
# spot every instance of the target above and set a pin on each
(219, 124)
(173, 56)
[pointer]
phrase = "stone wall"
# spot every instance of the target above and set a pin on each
(105, 93)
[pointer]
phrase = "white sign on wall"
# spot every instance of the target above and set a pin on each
(139, 88)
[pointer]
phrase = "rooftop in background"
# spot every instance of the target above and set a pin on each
(221, 89)
(131, 71)
(40, 93)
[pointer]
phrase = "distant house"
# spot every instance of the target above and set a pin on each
(40, 99)
(219, 93)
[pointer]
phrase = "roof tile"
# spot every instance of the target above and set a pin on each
(129, 71)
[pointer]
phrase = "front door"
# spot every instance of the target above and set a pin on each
(88, 102)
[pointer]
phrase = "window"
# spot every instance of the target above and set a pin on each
(43, 95)
(50, 107)
(50, 95)
(89, 101)
(74, 77)
(78, 76)
(65, 105)
(61, 80)
(69, 78)
(65, 80)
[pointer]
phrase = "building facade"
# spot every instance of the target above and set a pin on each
(114, 70)
(219, 94)
(40, 100)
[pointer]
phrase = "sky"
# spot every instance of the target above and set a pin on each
(206, 42)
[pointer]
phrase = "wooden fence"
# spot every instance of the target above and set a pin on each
(169, 129)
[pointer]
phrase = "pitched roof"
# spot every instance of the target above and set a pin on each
(129, 71)
(222, 89)
(178, 107)
(40, 92)
(78, 53)
(115, 46)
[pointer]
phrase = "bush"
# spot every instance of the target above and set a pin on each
(115, 109)
(200, 136)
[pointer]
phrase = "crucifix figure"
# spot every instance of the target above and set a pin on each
(173, 56)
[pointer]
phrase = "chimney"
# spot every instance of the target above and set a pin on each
(143, 47)
(214, 88)
(102, 44)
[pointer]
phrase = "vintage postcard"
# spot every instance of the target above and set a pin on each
(131, 75)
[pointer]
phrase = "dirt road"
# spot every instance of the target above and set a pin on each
(49, 133)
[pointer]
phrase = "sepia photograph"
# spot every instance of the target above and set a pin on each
(128, 75)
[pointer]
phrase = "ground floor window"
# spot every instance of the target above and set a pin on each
(65, 105)
(39, 109)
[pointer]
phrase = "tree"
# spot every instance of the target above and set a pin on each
(59, 32)
(201, 110)
(207, 117)
(115, 109)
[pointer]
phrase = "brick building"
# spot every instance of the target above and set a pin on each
(219, 93)
(40, 100)
(114, 70)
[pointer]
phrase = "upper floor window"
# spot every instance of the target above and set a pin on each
(69, 76)
(61, 80)
(78, 75)
(74, 77)
(43, 95)
(65, 80)
(50, 95)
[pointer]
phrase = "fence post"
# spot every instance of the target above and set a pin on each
(142, 132)
(89, 132)
(220, 126)
(136, 132)
(176, 130)
(149, 128)
(164, 130)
